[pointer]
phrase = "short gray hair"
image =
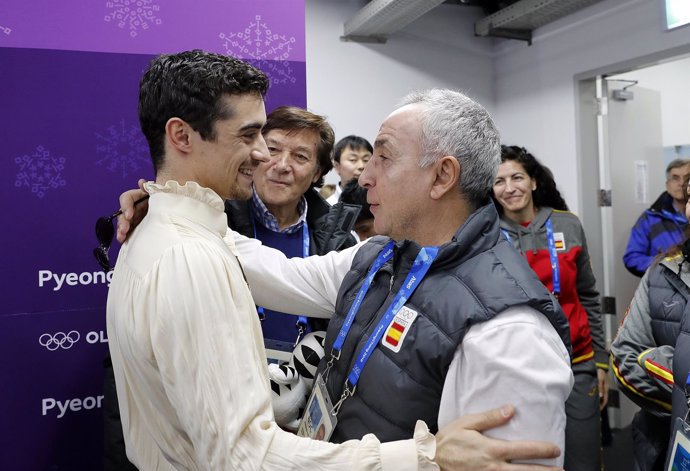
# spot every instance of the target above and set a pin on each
(453, 124)
(675, 163)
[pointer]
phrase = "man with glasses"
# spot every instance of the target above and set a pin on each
(183, 331)
(661, 226)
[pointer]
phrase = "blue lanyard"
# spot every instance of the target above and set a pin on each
(301, 320)
(417, 272)
(383, 256)
(553, 255)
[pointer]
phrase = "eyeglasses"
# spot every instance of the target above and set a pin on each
(105, 231)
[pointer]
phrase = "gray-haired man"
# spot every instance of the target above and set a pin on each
(661, 226)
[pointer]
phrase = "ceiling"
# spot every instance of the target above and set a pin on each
(513, 19)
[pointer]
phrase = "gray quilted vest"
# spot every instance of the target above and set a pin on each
(670, 313)
(474, 277)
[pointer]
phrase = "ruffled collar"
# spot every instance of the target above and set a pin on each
(189, 189)
(190, 200)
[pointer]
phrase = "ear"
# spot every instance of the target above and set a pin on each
(317, 175)
(336, 167)
(179, 134)
(534, 185)
(446, 177)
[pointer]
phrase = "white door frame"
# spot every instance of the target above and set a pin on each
(592, 155)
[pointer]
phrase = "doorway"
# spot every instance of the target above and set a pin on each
(626, 136)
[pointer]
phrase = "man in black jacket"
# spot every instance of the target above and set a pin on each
(286, 212)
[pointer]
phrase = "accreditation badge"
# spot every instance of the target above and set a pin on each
(318, 421)
(679, 452)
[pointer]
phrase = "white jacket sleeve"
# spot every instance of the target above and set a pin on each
(515, 358)
(307, 286)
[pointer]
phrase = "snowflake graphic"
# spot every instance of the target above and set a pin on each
(40, 171)
(262, 47)
(5, 29)
(123, 148)
(133, 15)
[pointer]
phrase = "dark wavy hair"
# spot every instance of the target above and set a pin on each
(190, 85)
(546, 193)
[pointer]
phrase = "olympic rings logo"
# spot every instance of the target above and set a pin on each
(59, 340)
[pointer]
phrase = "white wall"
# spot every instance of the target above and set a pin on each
(671, 79)
(357, 85)
(530, 90)
(535, 86)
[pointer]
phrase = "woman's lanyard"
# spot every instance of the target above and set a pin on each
(301, 324)
(553, 255)
(419, 268)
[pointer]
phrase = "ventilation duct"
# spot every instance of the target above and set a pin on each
(517, 21)
(379, 18)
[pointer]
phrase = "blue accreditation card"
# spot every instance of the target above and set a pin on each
(679, 452)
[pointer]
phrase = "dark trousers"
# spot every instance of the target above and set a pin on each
(114, 456)
(651, 435)
(583, 421)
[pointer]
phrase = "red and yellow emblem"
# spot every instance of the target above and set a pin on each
(398, 328)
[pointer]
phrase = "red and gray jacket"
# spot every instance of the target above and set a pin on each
(643, 349)
(578, 296)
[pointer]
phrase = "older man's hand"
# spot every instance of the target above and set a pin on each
(131, 215)
(460, 446)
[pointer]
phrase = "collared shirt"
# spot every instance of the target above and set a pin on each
(189, 360)
(491, 367)
(261, 214)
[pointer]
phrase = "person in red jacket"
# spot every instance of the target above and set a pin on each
(535, 219)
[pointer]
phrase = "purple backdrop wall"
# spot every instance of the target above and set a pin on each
(69, 73)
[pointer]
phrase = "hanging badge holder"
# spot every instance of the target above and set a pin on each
(679, 452)
(318, 421)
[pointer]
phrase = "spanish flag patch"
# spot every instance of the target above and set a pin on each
(398, 329)
(559, 241)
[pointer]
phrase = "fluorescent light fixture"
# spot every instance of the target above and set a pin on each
(677, 13)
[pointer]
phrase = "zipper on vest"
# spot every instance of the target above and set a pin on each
(390, 285)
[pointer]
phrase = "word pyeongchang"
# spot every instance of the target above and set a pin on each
(58, 280)
(49, 405)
